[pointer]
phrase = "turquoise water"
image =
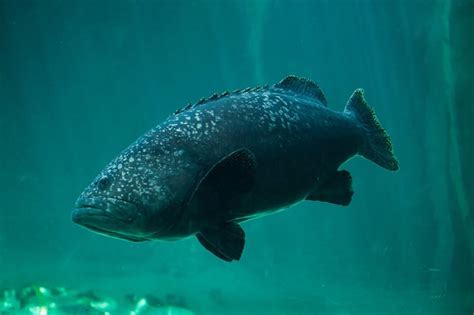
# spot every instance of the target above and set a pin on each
(81, 80)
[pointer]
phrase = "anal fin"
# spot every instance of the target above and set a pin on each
(336, 189)
(225, 241)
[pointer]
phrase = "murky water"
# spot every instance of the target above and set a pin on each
(81, 80)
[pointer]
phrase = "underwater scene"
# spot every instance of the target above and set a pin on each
(184, 157)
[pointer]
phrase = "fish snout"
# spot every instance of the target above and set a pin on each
(104, 207)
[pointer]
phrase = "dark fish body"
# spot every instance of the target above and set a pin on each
(229, 158)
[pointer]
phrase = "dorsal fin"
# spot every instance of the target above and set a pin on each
(302, 86)
(216, 97)
(293, 83)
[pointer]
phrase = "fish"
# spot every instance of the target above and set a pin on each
(230, 158)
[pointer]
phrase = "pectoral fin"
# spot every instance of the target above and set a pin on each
(336, 189)
(234, 173)
(222, 187)
(225, 183)
(226, 241)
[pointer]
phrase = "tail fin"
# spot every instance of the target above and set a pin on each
(377, 146)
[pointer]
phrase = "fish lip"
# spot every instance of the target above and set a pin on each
(80, 212)
(114, 234)
(98, 207)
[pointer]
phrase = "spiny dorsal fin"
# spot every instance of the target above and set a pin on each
(302, 86)
(216, 97)
(292, 83)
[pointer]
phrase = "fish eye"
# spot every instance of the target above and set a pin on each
(103, 183)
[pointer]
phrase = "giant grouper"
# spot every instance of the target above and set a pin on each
(230, 158)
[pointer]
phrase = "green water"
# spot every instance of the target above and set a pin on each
(81, 80)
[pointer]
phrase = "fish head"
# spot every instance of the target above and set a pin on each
(136, 197)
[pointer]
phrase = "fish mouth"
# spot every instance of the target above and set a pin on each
(103, 222)
(82, 213)
(112, 233)
(107, 216)
(104, 208)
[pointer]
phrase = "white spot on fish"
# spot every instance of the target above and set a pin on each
(278, 97)
(119, 166)
(265, 96)
(131, 159)
(198, 126)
